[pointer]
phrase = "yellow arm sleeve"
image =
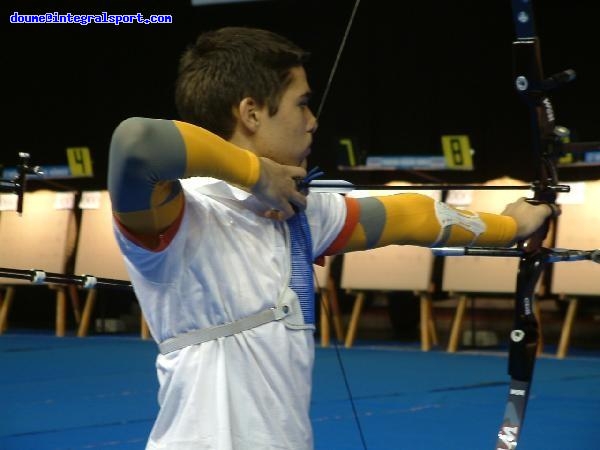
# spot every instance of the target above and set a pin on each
(414, 219)
(209, 155)
(149, 156)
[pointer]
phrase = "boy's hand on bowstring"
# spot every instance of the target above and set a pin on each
(529, 217)
(277, 188)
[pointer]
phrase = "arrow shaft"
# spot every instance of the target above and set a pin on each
(431, 187)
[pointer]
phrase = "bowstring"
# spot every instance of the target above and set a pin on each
(338, 56)
(336, 347)
(319, 289)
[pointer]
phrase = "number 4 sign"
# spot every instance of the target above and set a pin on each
(80, 162)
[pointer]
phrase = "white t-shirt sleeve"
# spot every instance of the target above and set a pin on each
(326, 215)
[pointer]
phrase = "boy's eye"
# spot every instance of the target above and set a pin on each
(304, 101)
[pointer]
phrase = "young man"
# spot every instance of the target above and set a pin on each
(219, 242)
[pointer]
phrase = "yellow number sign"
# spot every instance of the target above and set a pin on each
(80, 162)
(457, 151)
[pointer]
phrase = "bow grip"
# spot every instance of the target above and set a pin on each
(553, 206)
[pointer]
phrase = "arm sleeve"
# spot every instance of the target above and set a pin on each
(414, 219)
(148, 157)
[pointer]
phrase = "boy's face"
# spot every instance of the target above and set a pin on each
(286, 137)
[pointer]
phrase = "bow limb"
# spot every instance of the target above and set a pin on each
(523, 346)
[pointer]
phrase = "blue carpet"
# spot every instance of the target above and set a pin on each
(100, 393)
(414, 400)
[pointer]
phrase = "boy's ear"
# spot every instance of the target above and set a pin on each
(249, 113)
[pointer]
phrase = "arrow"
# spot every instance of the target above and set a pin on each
(345, 187)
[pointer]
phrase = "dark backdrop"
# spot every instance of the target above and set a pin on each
(405, 78)
(411, 71)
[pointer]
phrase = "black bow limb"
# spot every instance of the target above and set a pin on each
(547, 141)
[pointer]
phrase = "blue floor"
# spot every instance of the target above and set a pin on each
(100, 393)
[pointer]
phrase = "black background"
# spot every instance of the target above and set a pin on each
(410, 72)
(405, 78)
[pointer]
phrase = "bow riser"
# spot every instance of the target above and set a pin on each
(523, 345)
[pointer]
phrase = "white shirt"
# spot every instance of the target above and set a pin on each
(247, 391)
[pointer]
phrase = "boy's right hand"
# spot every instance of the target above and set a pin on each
(277, 188)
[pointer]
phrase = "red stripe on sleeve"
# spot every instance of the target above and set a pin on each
(164, 238)
(352, 217)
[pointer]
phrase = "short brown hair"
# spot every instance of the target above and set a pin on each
(225, 66)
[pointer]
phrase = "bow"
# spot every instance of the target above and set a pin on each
(546, 145)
